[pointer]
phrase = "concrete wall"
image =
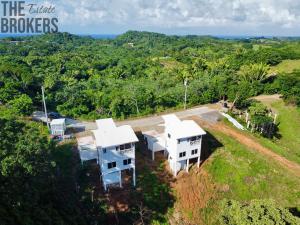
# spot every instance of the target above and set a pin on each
(113, 155)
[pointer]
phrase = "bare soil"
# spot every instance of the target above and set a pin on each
(193, 192)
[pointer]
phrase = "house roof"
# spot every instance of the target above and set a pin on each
(171, 119)
(154, 135)
(182, 129)
(110, 135)
(105, 124)
(58, 121)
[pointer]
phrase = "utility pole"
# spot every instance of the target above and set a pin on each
(185, 94)
(45, 108)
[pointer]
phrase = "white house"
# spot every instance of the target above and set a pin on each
(116, 151)
(58, 127)
(183, 142)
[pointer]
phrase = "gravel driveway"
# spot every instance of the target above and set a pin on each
(208, 114)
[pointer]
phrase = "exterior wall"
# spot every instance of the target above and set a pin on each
(155, 144)
(150, 143)
(174, 149)
(171, 146)
(58, 129)
(112, 178)
(186, 146)
(114, 155)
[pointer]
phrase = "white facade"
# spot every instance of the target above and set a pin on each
(58, 127)
(183, 142)
(116, 151)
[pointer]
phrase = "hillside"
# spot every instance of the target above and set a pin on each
(244, 175)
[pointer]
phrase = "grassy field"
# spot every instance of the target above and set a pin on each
(289, 129)
(286, 66)
(242, 174)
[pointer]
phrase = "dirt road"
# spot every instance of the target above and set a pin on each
(250, 142)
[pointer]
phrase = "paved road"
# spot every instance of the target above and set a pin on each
(152, 121)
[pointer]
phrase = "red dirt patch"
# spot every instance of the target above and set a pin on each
(193, 192)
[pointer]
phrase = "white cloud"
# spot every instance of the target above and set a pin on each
(175, 14)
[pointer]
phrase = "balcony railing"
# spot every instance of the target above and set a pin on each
(196, 142)
(129, 150)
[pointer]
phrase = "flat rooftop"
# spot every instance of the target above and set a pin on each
(108, 134)
(153, 134)
(182, 129)
(58, 121)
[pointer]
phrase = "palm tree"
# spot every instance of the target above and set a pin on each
(254, 72)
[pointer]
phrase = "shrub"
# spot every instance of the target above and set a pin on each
(255, 212)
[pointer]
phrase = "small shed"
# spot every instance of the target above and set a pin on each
(58, 127)
(155, 141)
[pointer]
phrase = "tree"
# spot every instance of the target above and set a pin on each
(254, 72)
(37, 179)
(258, 108)
(290, 87)
(255, 212)
(22, 105)
(261, 121)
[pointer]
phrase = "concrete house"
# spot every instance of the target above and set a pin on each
(183, 142)
(116, 151)
(58, 127)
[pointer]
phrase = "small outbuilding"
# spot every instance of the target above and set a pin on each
(58, 127)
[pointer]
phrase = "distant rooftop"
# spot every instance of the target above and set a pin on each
(58, 121)
(182, 129)
(108, 134)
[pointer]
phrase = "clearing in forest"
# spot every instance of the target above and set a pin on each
(287, 66)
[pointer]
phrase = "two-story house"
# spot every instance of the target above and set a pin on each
(183, 142)
(116, 151)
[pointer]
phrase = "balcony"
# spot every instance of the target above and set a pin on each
(125, 151)
(196, 142)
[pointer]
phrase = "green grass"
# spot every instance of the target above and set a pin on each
(289, 129)
(249, 175)
(287, 66)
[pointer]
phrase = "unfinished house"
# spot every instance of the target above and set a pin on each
(116, 151)
(58, 127)
(183, 142)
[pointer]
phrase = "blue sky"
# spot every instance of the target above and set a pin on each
(214, 17)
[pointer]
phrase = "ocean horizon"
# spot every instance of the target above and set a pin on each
(113, 36)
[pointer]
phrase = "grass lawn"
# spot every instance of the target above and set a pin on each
(289, 128)
(242, 174)
(287, 66)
